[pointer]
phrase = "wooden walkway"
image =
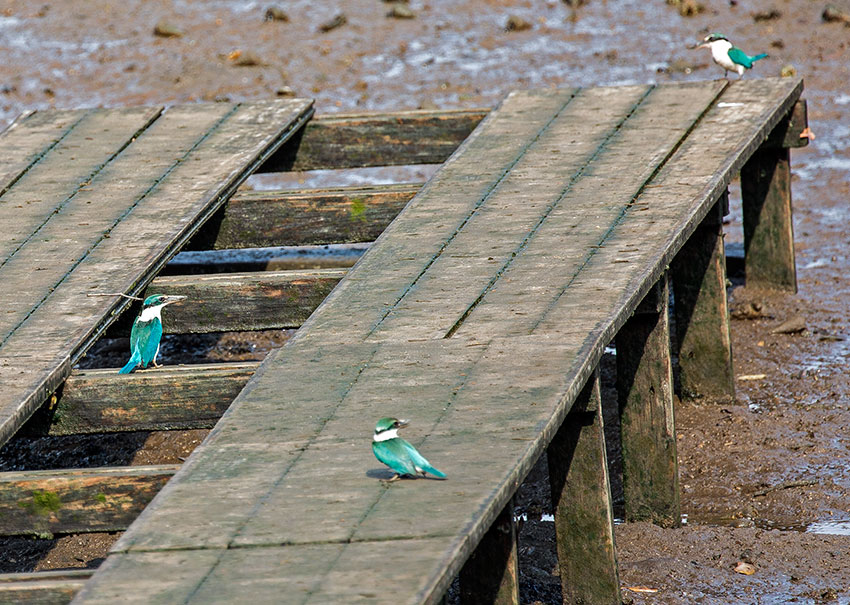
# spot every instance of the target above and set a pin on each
(97, 201)
(480, 314)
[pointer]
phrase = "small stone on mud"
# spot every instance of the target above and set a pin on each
(788, 71)
(400, 11)
(275, 13)
(833, 14)
(338, 21)
(687, 8)
(285, 91)
(745, 568)
(165, 29)
(246, 58)
(767, 15)
(792, 325)
(747, 310)
(517, 24)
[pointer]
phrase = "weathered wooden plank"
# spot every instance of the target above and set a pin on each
(29, 138)
(244, 301)
(574, 229)
(66, 170)
(297, 218)
(41, 262)
(38, 355)
(79, 500)
(157, 399)
(385, 139)
(581, 498)
(421, 231)
(42, 588)
(669, 210)
(648, 429)
(489, 241)
(155, 577)
(491, 575)
(768, 223)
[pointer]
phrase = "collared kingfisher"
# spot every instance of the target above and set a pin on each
(147, 332)
(730, 58)
(397, 453)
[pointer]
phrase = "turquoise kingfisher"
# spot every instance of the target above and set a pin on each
(397, 453)
(730, 58)
(147, 332)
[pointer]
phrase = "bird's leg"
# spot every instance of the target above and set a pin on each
(395, 477)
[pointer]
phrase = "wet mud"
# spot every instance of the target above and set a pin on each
(764, 479)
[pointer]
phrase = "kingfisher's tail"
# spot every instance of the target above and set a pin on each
(135, 360)
(430, 469)
(757, 57)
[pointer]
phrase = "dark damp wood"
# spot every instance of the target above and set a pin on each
(386, 139)
(581, 497)
(296, 218)
(768, 221)
(490, 575)
(645, 394)
(104, 239)
(43, 587)
(702, 313)
(787, 133)
(165, 398)
(78, 500)
(243, 301)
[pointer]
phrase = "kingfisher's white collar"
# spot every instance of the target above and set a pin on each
(151, 313)
(385, 435)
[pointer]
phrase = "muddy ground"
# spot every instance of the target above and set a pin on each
(764, 479)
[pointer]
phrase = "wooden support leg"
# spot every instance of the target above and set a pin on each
(702, 313)
(645, 394)
(768, 225)
(490, 576)
(581, 496)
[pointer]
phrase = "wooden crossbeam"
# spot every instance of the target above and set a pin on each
(170, 397)
(77, 500)
(42, 587)
(416, 137)
(304, 217)
(387, 139)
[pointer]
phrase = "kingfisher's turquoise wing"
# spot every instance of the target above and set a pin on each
(146, 337)
(419, 460)
(394, 455)
(740, 57)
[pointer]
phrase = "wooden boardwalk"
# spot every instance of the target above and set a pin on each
(96, 201)
(480, 314)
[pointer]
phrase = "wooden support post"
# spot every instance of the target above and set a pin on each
(581, 497)
(645, 394)
(768, 225)
(702, 313)
(490, 575)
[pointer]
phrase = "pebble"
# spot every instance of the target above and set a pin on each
(285, 91)
(338, 21)
(788, 71)
(165, 29)
(517, 24)
(275, 13)
(833, 13)
(401, 11)
(247, 58)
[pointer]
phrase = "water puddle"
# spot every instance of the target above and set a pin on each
(829, 527)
